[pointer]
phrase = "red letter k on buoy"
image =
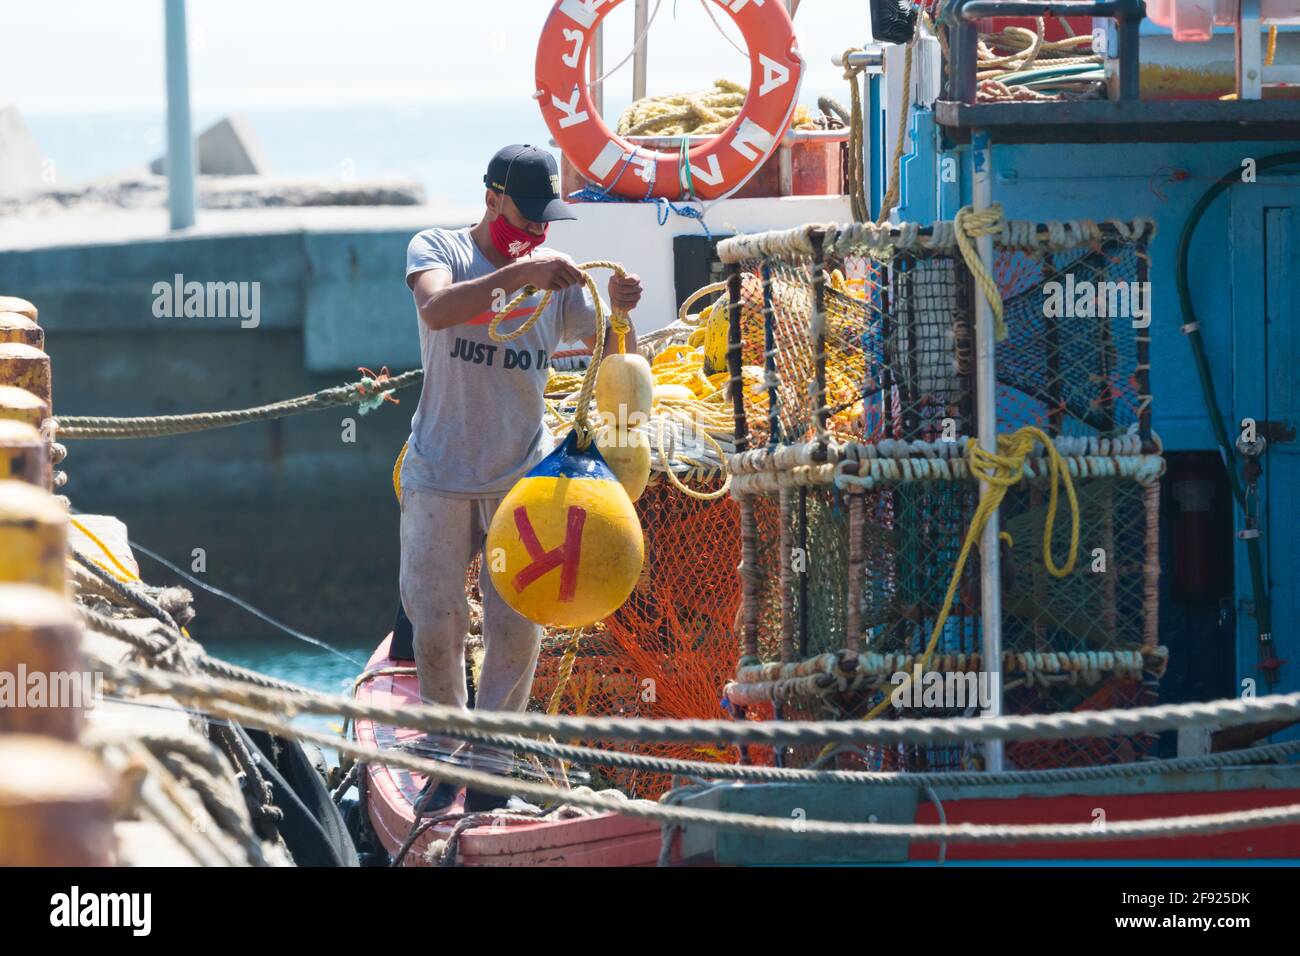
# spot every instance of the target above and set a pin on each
(564, 557)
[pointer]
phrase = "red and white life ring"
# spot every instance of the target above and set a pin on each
(716, 168)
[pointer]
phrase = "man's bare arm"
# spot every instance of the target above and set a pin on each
(443, 303)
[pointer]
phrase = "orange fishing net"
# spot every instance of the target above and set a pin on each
(670, 649)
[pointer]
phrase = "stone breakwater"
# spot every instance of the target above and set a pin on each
(144, 190)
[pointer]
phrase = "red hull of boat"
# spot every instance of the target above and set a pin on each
(604, 840)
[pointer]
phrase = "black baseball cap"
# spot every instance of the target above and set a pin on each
(529, 176)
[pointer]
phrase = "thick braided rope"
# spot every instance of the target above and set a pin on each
(729, 771)
(133, 592)
(743, 822)
(163, 649)
(449, 720)
(684, 114)
(666, 461)
(157, 426)
(618, 320)
(969, 224)
(683, 312)
(857, 186)
(856, 238)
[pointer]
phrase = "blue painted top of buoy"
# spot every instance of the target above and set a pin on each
(570, 461)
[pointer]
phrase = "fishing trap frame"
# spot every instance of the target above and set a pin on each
(855, 391)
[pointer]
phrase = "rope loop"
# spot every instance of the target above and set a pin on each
(618, 321)
(1001, 470)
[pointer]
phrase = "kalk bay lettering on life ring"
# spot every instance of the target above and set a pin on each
(718, 167)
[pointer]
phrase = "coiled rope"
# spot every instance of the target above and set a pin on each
(706, 113)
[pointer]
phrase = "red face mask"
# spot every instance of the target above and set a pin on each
(510, 240)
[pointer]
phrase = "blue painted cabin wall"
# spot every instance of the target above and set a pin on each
(1232, 295)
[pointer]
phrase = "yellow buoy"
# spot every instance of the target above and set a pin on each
(628, 455)
(565, 547)
(624, 390)
(717, 338)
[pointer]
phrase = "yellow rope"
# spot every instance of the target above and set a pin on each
(680, 114)
(706, 113)
(969, 224)
(1000, 470)
(1272, 46)
(677, 482)
(564, 673)
(123, 573)
(618, 320)
(683, 313)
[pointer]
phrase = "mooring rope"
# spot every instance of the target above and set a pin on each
(367, 393)
(756, 774)
(450, 721)
(690, 768)
(752, 823)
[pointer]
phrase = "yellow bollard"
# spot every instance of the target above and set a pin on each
(24, 456)
(25, 367)
(11, 303)
(56, 804)
(20, 405)
(19, 328)
(33, 537)
(44, 686)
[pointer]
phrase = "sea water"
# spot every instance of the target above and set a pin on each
(444, 147)
(302, 664)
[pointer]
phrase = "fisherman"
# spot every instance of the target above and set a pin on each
(478, 429)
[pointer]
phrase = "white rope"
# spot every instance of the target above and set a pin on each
(865, 238)
(448, 720)
(744, 822)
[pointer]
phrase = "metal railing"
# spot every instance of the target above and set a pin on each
(961, 17)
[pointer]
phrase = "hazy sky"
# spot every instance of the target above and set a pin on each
(97, 55)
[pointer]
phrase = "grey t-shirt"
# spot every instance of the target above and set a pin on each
(478, 427)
